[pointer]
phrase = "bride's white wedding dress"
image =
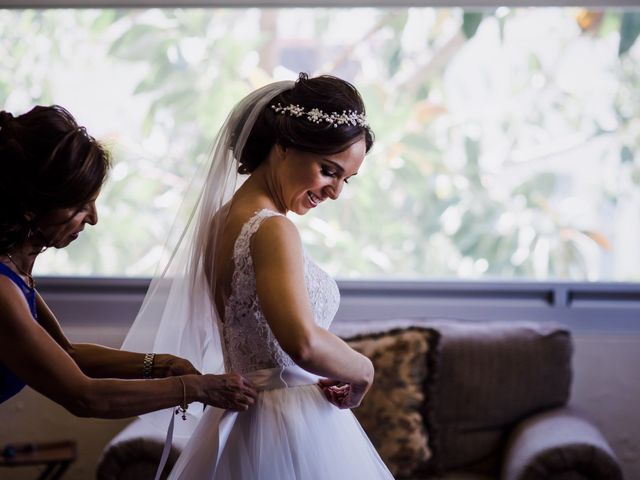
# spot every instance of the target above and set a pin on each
(292, 431)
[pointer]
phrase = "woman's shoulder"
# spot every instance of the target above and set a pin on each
(276, 244)
(13, 303)
(269, 230)
(10, 284)
(270, 224)
(259, 226)
(249, 220)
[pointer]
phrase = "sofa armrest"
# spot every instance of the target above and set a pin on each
(558, 444)
(134, 453)
(134, 459)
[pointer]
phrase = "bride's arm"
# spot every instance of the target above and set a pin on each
(277, 255)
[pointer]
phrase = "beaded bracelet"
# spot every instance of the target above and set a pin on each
(147, 365)
(182, 408)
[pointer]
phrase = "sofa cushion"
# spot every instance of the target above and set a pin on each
(491, 375)
(393, 412)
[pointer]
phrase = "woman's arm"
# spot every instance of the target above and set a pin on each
(32, 354)
(278, 261)
(98, 361)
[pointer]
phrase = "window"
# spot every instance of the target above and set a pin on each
(507, 139)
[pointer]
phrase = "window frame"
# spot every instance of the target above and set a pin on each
(111, 303)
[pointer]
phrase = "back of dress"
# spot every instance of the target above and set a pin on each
(249, 343)
(292, 432)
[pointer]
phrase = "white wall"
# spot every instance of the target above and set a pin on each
(30, 417)
(607, 387)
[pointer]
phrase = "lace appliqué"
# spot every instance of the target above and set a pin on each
(249, 342)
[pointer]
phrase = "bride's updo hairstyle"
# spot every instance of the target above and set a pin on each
(326, 94)
(48, 162)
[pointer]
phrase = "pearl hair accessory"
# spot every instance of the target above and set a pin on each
(316, 115)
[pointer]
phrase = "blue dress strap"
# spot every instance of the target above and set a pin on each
(10, 383)
(28, 292)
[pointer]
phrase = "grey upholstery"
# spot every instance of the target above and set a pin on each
(559, 444)
(491, 375)
(495, 378)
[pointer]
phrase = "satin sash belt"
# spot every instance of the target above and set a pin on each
(281, 377)
(219, 428)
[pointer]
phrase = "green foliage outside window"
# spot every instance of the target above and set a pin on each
(507, 140)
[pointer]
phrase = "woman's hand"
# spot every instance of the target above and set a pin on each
(344, 395)
(348, 395)
(167, 365)
(229, 391)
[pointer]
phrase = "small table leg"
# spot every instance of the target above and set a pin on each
(54, 470)
(56, 456)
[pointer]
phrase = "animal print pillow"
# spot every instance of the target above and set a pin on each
(394, 412)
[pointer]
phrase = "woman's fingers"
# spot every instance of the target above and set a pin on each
(343, 395)
(336, 392)
(248, 388)
(230, 392)
(328, 382)
(173, 366)
(333, 398)
(246, 395)
(242, 384)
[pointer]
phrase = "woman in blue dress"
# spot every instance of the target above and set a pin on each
(52, 171)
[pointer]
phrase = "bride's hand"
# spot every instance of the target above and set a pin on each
(343, 395)
(333, 390)
(230, 391)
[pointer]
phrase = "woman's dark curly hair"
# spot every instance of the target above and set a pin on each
(47, 162)
(327, 93)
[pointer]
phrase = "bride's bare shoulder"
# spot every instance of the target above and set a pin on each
(276, 233)
(241, 213)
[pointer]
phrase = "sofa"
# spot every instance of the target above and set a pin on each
(451, 400)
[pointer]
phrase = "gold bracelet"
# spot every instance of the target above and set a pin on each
(182, 408)
(147, 365)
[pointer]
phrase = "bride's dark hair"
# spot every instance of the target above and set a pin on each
(326, 93)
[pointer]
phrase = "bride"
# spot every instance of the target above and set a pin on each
(248, 299)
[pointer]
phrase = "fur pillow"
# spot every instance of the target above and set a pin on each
(394, 411)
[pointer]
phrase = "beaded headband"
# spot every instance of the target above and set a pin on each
(316, 115)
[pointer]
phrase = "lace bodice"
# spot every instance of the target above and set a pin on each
(249, 343)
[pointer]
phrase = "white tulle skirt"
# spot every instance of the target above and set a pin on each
(291, 432)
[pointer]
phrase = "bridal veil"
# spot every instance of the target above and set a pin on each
(178, 314)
